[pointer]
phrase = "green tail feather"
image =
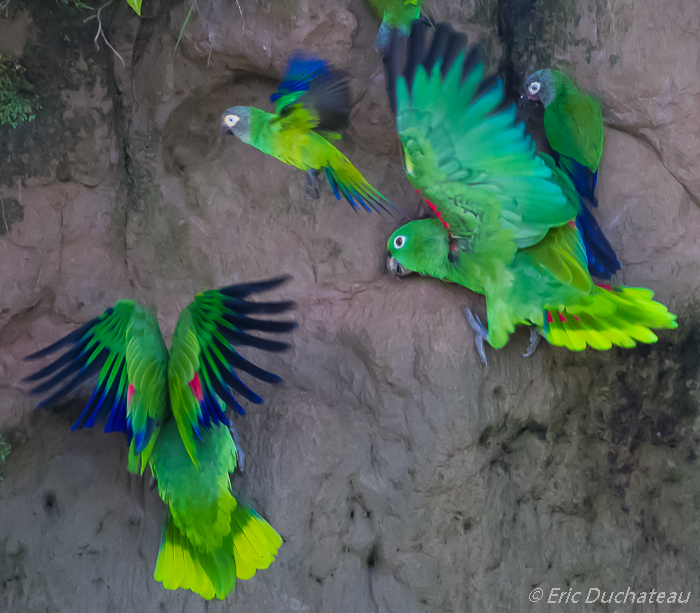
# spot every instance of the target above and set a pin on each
(619, 316)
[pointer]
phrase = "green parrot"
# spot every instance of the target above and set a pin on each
(395, 14)
(505, 217)
(171, 407)
(573, 123)
(313, 107)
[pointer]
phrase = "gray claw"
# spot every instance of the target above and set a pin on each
(481, 333)
(534, 341)
(313, 189)
(239, 450)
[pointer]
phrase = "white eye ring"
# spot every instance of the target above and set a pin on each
(534, 87)
(231, 120)
(399, 242)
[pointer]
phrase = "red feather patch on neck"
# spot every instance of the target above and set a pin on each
(438, 214)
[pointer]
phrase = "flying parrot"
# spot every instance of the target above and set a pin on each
(395, 14)
(313, 107)
(573, 124)
(504, 224)
(171, 405)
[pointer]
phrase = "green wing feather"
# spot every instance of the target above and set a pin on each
(124, 347)
(203, 360)
(574, 123)
(468, 158)
(147, 399)
(397, 13)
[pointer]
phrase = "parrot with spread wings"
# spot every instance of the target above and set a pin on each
(573, 123)
(313, 107)
(504, 221)
(395, 14)
(171, 405)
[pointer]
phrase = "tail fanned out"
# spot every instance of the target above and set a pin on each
(251, 545)
(612, 315)
(255, 542)
(182, 564)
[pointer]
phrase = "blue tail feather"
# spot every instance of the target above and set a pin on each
(583, 178)
(602, 261)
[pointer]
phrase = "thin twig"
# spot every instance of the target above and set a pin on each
(237, 2)
(3, 7)
(7, 228)
(104, 38)
(101, 31)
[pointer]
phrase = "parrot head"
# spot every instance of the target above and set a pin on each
(419, 246)
(540, 86)
(236, 121)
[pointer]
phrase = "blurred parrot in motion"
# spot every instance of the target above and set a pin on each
(573, 124)
(504, 223)
(171, 407)
(313, 107)
(395, 14)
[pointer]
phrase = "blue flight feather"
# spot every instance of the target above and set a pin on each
(300, 72)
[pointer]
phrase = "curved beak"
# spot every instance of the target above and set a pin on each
(224, 129)
(524, 96)
(396, 269)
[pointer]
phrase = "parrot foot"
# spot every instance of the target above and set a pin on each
(313, 187)
(535, 337)
(481, 333)
(239, 450)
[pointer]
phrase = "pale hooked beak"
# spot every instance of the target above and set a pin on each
(396, 269)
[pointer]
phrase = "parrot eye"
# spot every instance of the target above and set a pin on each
(399, 242)
(231, 120)
(534, 87)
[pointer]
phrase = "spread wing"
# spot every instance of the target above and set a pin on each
(202, 372)
(125, 348)
(321, 90)
(464, 152)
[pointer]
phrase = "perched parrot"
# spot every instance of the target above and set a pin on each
(171, 407)
(504, 223)
(573, 124)
(395, 14)
(313, 107)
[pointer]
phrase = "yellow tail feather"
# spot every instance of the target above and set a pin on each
(181, 564)
(255, 542)
(251, 545)
(611, 315)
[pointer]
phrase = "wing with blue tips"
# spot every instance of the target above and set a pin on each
(125, 349)
(204, 363)
(320, 89)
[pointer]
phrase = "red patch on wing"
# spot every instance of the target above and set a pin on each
(438, 214)
(576, 318)
(562, 319)
(129, 393)
(572, 223)
(605, 286)
(550, 319)
(196, 387)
